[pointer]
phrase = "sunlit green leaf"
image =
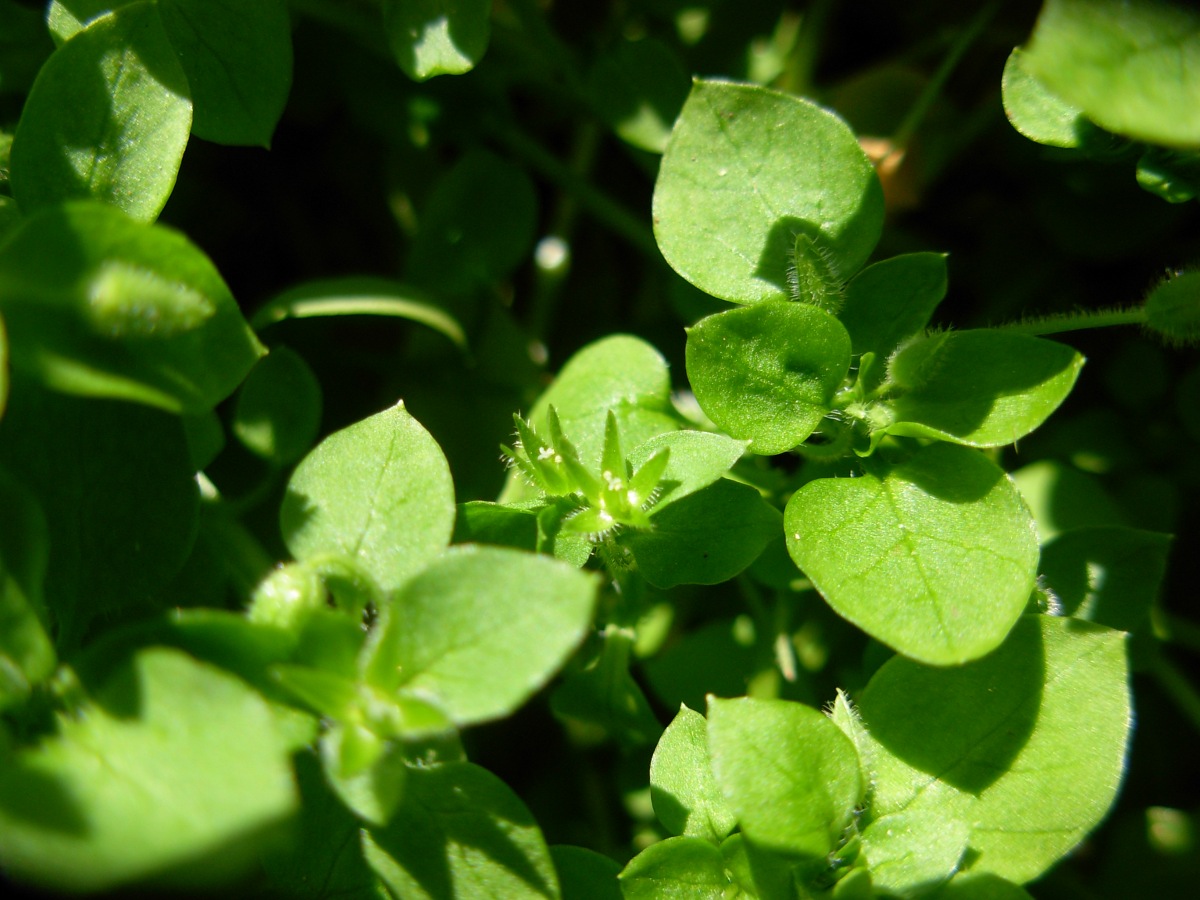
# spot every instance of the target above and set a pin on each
(437, 37)
(686, 797)
(678, 868)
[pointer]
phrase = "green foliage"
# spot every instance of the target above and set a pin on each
(758, 429)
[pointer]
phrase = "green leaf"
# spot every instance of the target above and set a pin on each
(678, 868)
(982, 388)
(1025, 747)
(706, 538)
(697, 459)
(892, 300)
(1173, 176)
(907, 852)
(482, 522)
(746, 170)
(437, 37)
(461, 832)
(237, 57)
(3, 367)
(27, 657)
(935, 557)
(638, 88)
(324, 859)
(374, 793)
(359, 297)
(981, 886)
(107, 118)
(1173, 308)
(790, 775)
(1109, 575)
(378, 492)
(278, 409)
(1041, 115)
(101, 305)
(767, 373)
(119, 494)
(1061, 498)
(476, 226)
(585, 874)
(1132, 68)
(176, 772)
(481, 629)
(686, 797)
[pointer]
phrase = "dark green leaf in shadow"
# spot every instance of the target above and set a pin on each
(585, 874)
(176, 774)
(107, 118)
(638, 89)
(278, 408)
(1110, 575)
(101, 305)
(981, 886)
(24, 46)
(892, 300)
(461, 832)
(26, 655)
(482, 522)
(237, 57)
(935, 557)
(768, 373)
(705, 538)
(982, 388)
(1034, 732)
(118, 490)
(746, 170)
(437, 37)
(378, 492)
(1061, 498)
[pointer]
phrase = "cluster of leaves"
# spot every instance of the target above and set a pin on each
(195, 695)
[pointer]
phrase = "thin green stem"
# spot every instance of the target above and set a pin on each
(916, 115)
(1080, 320)
(797, 76)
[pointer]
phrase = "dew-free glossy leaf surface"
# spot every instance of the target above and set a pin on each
(790, 775)
(278, 408)
(767, 373)
(102, 305)
(697, 459)
(1132, 68)
(481, 629)
(891, 300)
(437, 37)
(378, 492)
(461, 832)
(911, 851)
(678, 868)
(108, 118)
(745, 171)
(1037, 112)
(1026, 746)
(982, 388)
(237, 57)
(705, 538)
(112, 798)
(686, 797)
(935, 557)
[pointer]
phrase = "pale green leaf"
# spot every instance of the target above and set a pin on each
(437, 37)
(679, 868)
(697, 459)
(481, 629)
(175, 772)
(1026, 747)
(935, 557)
(790, 775)
(912, 851)
(745, 171)
(768, 373)
(107, 118)
(1038, 113)
(378, 492)
(686, 797)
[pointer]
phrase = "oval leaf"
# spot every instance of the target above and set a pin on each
(437, 37)
(481, 629)
(101, 305)
(935, 557)
(697, 459)
(768, 373)
(682, 787)
(789, 774)
(1033, 733)
(679, 868)
(982, 388)
(107, 118)
(746, 170)
(279, 408)
(378, 492)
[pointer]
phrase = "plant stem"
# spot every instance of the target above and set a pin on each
(917, 113)
(1076, 321)
(797, 76)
